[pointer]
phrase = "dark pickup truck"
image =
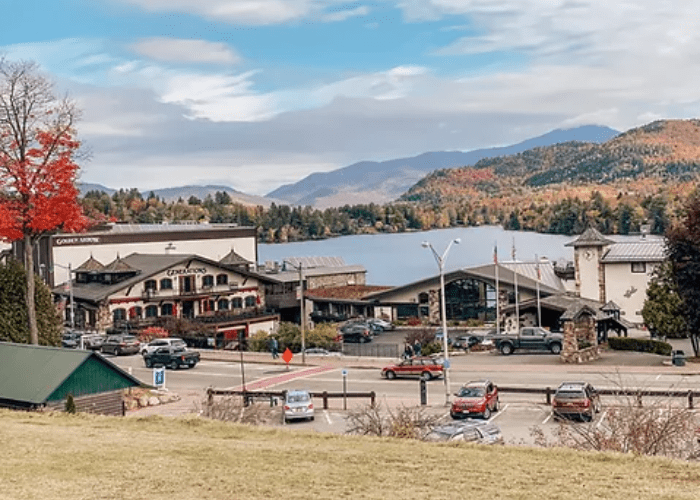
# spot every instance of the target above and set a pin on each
(172, 357)
(531, 337)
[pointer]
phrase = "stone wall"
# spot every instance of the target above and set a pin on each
(580, 341)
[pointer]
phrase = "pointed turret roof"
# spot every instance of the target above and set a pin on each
(91, 265)
(591, 237)
(118, 266)
(232, 258)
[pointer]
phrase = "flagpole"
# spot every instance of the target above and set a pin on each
(539, 277)
(517, 305)
(498, 295)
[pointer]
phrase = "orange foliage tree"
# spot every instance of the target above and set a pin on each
(37, 168)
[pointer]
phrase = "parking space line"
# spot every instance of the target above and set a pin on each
(328, 417)
(601, 419)
(547, 419)
(499, 412)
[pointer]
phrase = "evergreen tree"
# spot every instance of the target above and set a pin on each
(663, 308)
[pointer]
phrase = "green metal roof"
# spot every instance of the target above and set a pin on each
(31, 374)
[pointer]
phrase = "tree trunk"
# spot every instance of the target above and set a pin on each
(31, 305)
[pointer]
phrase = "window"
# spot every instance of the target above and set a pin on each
(135, 312)
(166, 310)
(207, 281)
(236, 303)
(221, 279)
(250, 301)
(222, 305)
(152, 311)
(149, 285)
(166, 284)
(639, 267)
(119, 314)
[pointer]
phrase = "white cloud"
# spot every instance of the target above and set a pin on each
(344, 14)
(186, 51)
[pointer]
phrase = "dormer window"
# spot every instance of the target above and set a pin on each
(150, 285)
(221, 279)
(207, 281)
(166, 284)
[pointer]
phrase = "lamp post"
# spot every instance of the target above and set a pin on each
(300, 268)
(443, 311)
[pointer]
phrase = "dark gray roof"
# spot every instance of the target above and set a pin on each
(642, 250)
(31, 373)
(561, 302)
(147, 265)
(232, 258)
(119, 265)
(591, 237)
(90, 265)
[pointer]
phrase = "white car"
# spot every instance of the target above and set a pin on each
(298, 405)
(167, 342)
(383, 324)
(319, 351)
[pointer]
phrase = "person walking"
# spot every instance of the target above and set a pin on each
(416, 348)
(408, 352)
(274, 348)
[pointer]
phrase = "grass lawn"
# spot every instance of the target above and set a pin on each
(60, 456)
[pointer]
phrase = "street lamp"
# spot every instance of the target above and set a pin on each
(300, 268)
(443, 312)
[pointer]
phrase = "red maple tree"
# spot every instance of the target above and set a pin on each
(37, 167)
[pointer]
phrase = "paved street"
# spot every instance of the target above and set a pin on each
(520, 412)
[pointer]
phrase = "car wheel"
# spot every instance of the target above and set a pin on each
(311, 418)
(454, 415)
(426, 376)
(555, 348)
(390, 375)
(192, 365)
(173, 365)
(487, 413)
(506, 349)
(118, 351)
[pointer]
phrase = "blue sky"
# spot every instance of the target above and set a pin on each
(254, 94)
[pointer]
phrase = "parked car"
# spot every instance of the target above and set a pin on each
(576, 399)
(166, 342)
(319, 351)
(478, 397)
(70, 340)
(172, 357)
(356, 333)
(466, 342)
(421, 366)
(470, 431)
(438, 337)
(531, 337)
(93, 341)
(120, 344)
(381, 323)
(298, 405)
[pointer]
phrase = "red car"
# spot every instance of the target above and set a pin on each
(476, 398)
(424, 367)
(576, 399)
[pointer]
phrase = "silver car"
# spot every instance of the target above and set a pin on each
(470, 431)
(298, 405)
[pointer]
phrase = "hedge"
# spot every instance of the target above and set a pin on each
(640, 345)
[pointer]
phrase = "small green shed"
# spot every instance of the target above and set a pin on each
(37, 377)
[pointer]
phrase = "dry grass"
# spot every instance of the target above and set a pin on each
(88, 457)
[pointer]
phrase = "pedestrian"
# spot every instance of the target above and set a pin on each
(408, 352)
(274, 348)
(416, 348)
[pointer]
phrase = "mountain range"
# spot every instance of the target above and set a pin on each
(371, 181)
(382, 182)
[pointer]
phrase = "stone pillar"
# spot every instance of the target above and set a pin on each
(434, 307)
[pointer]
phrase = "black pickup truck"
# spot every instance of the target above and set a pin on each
(531, 337)
(172, 357)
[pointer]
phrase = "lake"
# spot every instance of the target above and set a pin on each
(398, 259)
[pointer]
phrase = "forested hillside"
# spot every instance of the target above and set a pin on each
(641, 176)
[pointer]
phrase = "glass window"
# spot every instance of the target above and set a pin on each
(221, 279)
(250, 301)
(222, 305)
(236, 303)
(166, 310)
(166, 284)
(151, 311)
(119, 314)
(149, 285)
(135, 312)
(207, 281)
(639, 267)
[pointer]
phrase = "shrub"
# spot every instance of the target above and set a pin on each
(259, 341)
(414, 321)
(432, 348)
(70, 404)
(640, 345)
(152, 332)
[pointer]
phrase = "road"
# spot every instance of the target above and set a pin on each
(519, 413)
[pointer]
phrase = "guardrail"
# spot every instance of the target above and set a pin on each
(250, 396)
(637, 393)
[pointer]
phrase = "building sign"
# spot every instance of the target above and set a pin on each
(77, 240)
(185, 271)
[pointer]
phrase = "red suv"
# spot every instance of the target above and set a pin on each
(576, 399)
(479, 397)
(424, 367)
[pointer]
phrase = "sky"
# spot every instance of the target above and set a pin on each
(254, 94)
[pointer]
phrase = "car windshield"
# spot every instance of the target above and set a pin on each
(570, 394)
(471, 392)
(298, 398)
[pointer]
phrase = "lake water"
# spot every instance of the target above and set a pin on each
(398, 259)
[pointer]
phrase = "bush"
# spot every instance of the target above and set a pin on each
(259, 341)
(152, 332)
(640, 345)
(414, 321)
(432, 348)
